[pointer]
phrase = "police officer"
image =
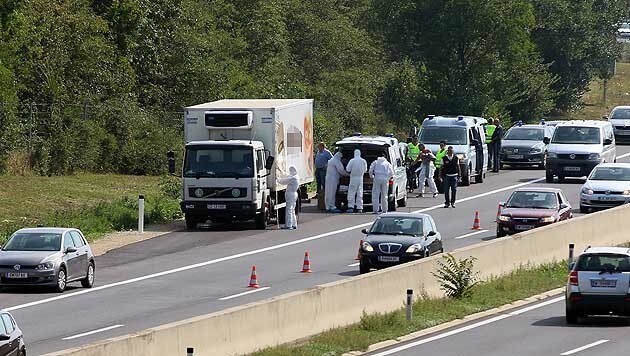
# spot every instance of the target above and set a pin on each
(490, 128)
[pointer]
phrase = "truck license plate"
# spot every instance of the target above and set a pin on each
(217, 206)
(603, 283)
(515, 156)
(572, 169)
(17, 275)
(389, 258)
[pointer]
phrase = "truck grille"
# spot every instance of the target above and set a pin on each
(229, 192)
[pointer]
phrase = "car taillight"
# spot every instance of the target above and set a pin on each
(391, 181)
(573, 278)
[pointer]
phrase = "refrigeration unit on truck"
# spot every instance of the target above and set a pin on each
(237, 150)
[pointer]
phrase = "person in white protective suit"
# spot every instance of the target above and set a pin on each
(357, 167)
(426, 171)
(381, 171)
(292, 181)
(334, 171)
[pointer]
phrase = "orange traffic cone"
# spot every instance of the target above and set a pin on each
(498, 213)
(253, 280)
(476, 223)
(306, 268)
(359, 251)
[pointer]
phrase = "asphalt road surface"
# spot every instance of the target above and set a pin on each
(185, 274)
(536, 329)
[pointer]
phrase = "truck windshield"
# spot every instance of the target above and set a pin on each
(219, 162)
(576, 135)
(435, 134)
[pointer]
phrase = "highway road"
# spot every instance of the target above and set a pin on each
(536, 329)
(185, 274)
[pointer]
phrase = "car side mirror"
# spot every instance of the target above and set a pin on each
(546, 140)
(431, 233)
(502, 204)
(563, 206)
(71, 249)
(605, 117)
(364, 231)
(269, 162)
(607, 142)
(5, 337)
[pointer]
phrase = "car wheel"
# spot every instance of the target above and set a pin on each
(583, 209)
(549, 177)
(88, 281)
(363, 268)
(62, 280)
(561, 179)
(466, 177)
(500, 233)
(571, 316)
(22, 352)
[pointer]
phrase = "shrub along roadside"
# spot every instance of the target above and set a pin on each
(522, 283)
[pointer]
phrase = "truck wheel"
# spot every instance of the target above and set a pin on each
(191, 222)
(263, 218)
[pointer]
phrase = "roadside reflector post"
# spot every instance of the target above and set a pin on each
(141, 213)
(190, 351)
(571, 249)
(409, 303)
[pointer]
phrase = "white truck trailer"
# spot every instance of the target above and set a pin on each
(236, 150)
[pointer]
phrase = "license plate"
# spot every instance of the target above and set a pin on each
(389, 258)
(524, 227)
(606, 198)
(603, 283)
(217, 206)
(515, 156)
(572, 169)
(17, 275)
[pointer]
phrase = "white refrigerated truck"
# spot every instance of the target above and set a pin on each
(236, 150)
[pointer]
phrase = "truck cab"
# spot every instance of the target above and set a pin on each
(467, 136)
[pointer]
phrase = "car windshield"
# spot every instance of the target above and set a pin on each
(576, 135)
(625, 26)
(219, 162)
(623, 114)
(610, 173)
(532, 200)
(602, 262)
(397, 226)
(33, 242)
(526, 134)
(435, 134)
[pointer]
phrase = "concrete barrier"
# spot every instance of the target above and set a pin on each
(296, 315)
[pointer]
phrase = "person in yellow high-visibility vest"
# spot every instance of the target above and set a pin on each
(413, 149)
(438, 164)
(490, 127)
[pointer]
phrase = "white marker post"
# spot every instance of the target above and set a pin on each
(141, 214)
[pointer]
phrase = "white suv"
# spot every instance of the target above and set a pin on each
(599, 283)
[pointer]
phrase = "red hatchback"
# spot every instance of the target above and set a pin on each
(529, 208)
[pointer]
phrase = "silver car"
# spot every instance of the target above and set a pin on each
(607, 186)
(46, 257)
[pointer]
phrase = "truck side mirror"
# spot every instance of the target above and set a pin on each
(269, 162)
(170, 155)
(546, 140)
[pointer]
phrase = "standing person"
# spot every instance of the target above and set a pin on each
(426, 171)
(334, 171)
(450, 174)
(381, 171)
(438, 162)
(497, 136)
(357, 168)
(292, 181)
(321, 162)
(490, 128)
(413, 149)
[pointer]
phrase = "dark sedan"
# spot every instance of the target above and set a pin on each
(523, 145)
(529, 208)
(11, 339)
(396, 238)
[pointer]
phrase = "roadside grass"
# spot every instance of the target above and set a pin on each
(522, 283)
(96, 204)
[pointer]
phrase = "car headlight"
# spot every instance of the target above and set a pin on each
(587, 191)
(367, 247)
(548, 219)
(593, 156)
(504, 218)
(552, 155)
(461, 155)
(45, 266)
(535, 150)
(415, 248)
(626, 192)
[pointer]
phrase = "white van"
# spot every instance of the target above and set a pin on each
(577, 147)
(466, 135)
(620, 119)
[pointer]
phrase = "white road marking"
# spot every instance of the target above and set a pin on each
(244, 293)
(248, 253)
(571, 352)
(466, 328)
(92, 332)
(354, 264)
(471, 234)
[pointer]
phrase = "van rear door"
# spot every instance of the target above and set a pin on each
(603, 273)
